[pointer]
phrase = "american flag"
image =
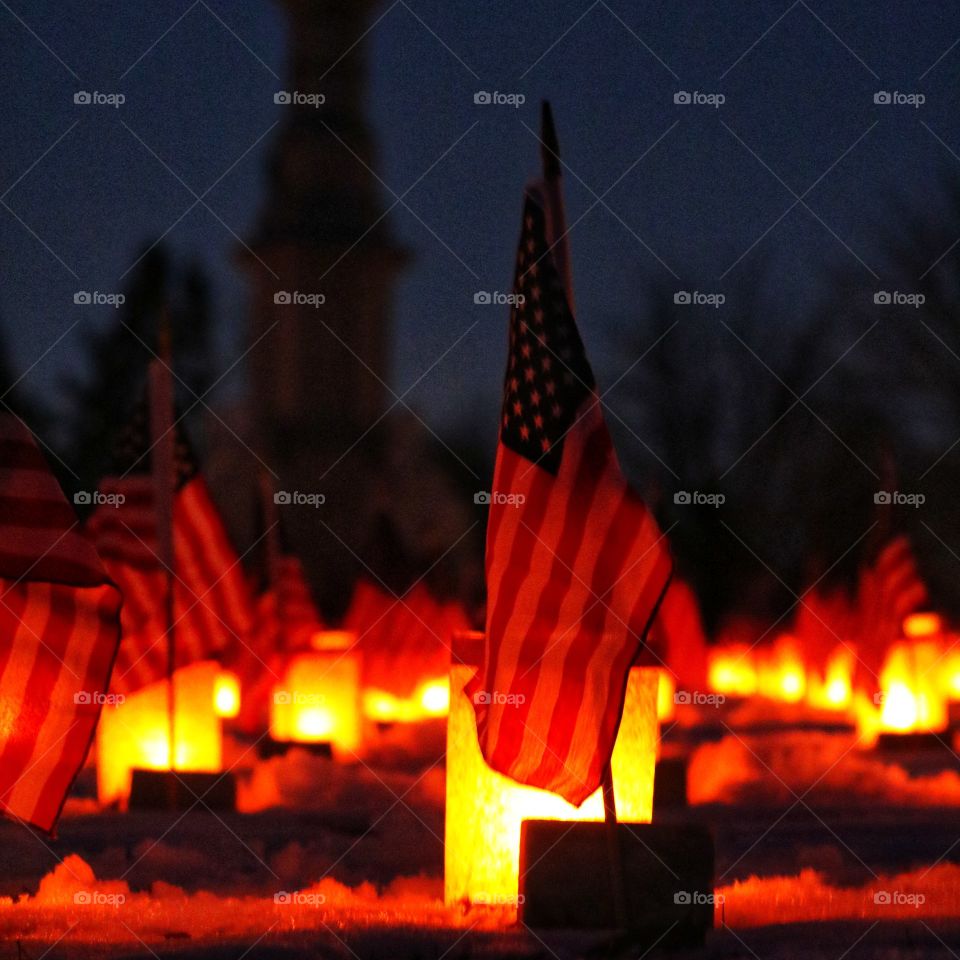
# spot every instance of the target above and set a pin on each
(287, 617)
(285, 620)
(59, 631)
(890, 589)
(575, 564)
(404, 640)
(677, 639)
(211, 602)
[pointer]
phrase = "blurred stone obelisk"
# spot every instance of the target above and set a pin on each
(317, 375)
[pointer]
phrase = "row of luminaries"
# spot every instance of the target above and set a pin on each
(389, 661)
(406, 660)
(294, 681)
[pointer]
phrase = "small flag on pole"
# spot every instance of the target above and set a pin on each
(211, 603)
(293, 615)
(890, 588)
(575, 563)
(59, 630)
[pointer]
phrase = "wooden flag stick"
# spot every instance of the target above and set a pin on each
(164, 477)
(614, 853)
(553, 187)
(271, 535)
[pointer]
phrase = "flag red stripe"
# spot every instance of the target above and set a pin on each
(621, 535)
(517, 565)
(593, 461)
(211, 600)
(641, 618)
(61, 763)
(45, 632)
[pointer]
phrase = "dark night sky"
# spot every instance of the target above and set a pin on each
(798, 81)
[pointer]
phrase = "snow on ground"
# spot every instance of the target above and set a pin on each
(339, 860)
(769, 769)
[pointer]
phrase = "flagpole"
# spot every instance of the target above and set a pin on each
(560, 250)
(553, 188)
(614, 853)
(163, 461)
(271, 524)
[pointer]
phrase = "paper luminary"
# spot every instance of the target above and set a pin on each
(406, 658)
(834, 689)
(134, 734)
(911, 697)
(318, 699)
(226, 695)
(485, 809)
(430, 700)
(666, 696)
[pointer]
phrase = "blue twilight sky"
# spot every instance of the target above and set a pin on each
(697, 196)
